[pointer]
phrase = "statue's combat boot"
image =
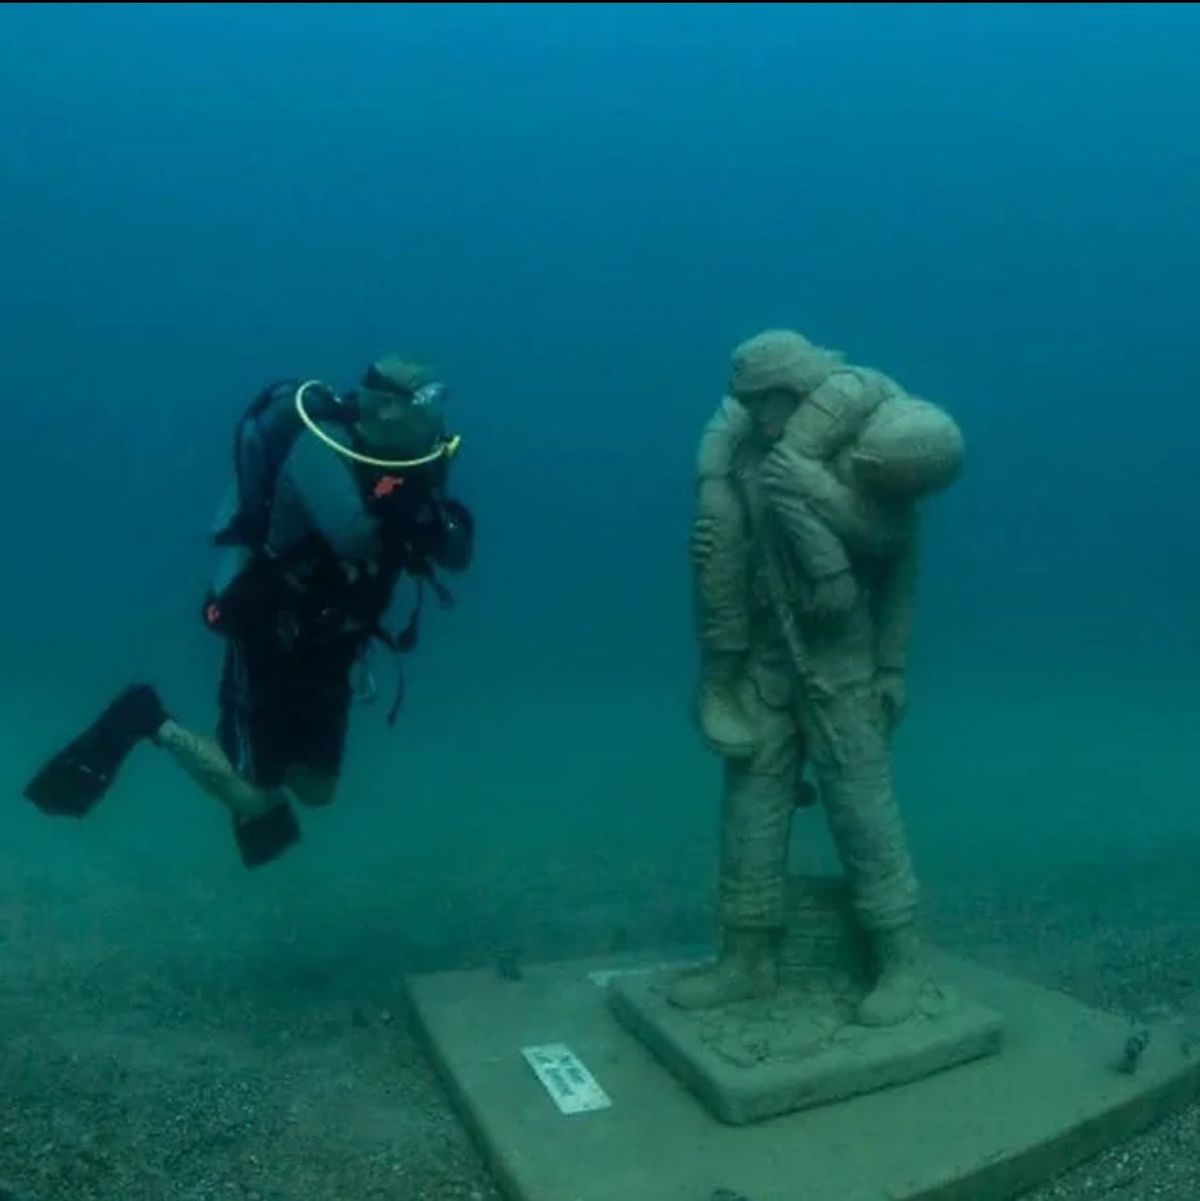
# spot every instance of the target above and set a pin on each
(747, 968)
(902, 975)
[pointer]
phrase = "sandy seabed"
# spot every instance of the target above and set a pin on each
(164, 1040)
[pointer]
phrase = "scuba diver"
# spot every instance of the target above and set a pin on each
(335, 498)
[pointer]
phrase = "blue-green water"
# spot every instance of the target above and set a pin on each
(577, 212)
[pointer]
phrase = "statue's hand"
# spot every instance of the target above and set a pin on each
(892, 691)
(831, 598)
(726, 728)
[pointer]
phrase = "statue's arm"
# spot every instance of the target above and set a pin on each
(896, 608)
(718, 536)
(720, 439)
(818, 512)
(788, 479)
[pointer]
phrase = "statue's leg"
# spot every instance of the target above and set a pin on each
(848, 742)
(760, 795)
(720, 561)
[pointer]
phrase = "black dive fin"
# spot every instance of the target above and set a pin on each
(264, 838)
(76, 778)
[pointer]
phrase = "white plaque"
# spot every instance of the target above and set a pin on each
(572, 1087)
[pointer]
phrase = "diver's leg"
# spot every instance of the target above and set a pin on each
(310, 787)
(320, 719)
(203, 759)
(243, 767)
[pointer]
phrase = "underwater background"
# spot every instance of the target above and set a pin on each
(575, 212)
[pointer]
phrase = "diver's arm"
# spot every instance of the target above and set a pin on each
(444, 531)
(324, 485)
(454, 549)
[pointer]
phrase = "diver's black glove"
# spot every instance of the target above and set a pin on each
(458, 536)
(441, 532)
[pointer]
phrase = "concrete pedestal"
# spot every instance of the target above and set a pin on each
(982, 1131)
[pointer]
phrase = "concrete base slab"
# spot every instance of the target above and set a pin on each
(516, 1055)
(760, 1059)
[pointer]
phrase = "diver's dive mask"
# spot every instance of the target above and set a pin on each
(433, 395)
